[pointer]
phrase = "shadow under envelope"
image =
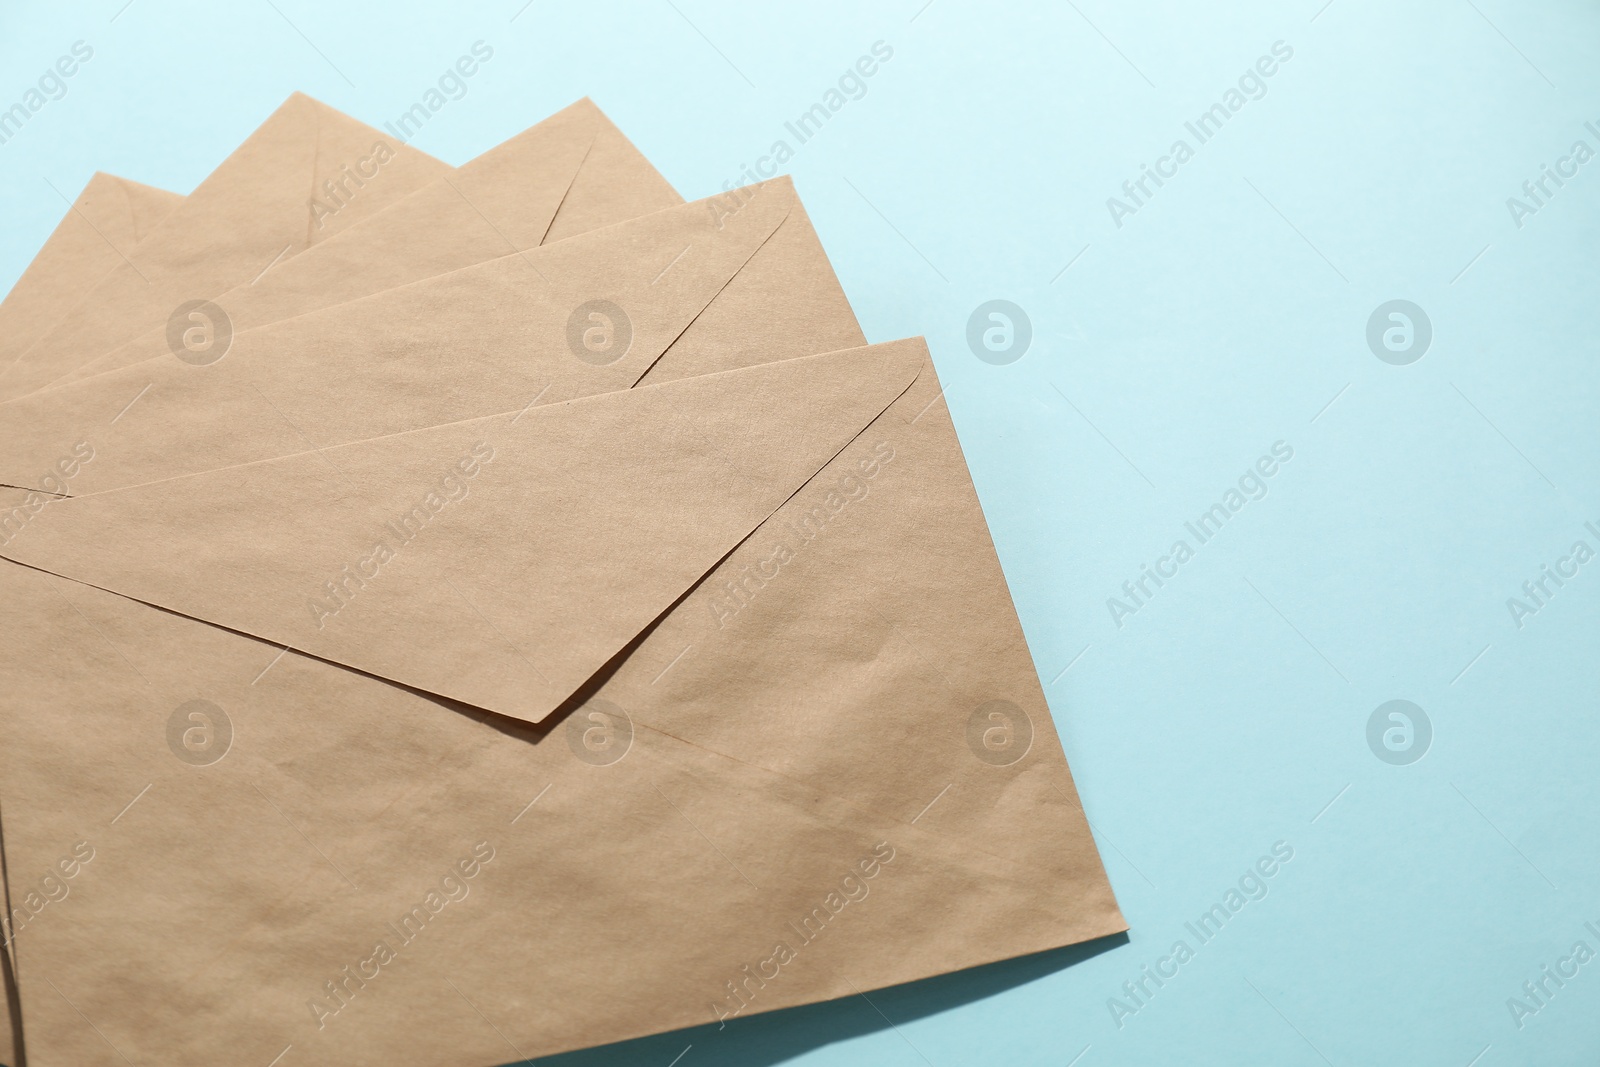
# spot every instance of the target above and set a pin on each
(775, 1037)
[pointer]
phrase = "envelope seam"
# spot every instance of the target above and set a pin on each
(567, 192)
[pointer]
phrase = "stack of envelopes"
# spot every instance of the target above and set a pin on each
(474, 613)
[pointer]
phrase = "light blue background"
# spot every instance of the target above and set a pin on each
(1224, 316)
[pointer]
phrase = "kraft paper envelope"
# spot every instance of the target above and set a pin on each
(828, 769)
(502, 334)
(710, 344)
(257, 206)
(572, 173)
(109, 218)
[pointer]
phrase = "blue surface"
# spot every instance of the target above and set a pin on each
(1227, 312)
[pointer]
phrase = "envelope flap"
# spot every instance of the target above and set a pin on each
(143, 206)
(616, 182)
(498, 561)
(541, 163)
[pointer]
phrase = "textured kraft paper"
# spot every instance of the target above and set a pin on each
(255, 208)
(494, 561)
(107, 220)
(716, 668)
(233, 420)
(572, 173)
(568, 174)
(511, 189)
(109, 217)
(503, 334)
(793, 796)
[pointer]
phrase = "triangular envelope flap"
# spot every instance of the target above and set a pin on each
(515, 188)
(346, 147)
(123, 210)
(499, 562)
(787, 290)
(500, 202)
(253, 207)
(584, 269)
(616, 182)
(581, 316)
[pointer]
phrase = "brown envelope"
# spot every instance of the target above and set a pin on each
(827, 675)
(707, 284)
(262, 203)
(109, 218)
(829, 768)
(572, 173)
